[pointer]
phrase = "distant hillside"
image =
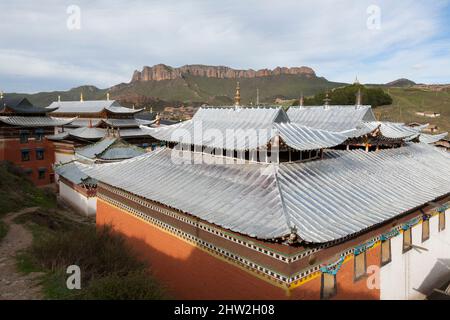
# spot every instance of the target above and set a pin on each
(161, 86)
(408, 101)
(401, 83)
(347, 96)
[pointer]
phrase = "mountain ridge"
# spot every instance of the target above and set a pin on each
(161, 72)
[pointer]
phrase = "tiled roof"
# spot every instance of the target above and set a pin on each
(35, 121)
(93, 106)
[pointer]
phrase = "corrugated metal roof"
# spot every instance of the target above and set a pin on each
(92, 106)
(429, 138)
(331, 118)
(123, 123)
(72, 172)
(85, 122)
(109, 148)
(35, 121)
(96, 133)
(244, 129)
(91, 151)
(323, 200)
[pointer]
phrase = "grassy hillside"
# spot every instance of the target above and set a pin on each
(195, 90)
(408, 101)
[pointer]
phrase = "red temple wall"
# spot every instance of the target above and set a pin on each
(189, 272)
(11, 151)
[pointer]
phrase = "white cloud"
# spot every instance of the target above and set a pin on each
(117, 37)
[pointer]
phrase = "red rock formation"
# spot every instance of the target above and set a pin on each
(162, 72)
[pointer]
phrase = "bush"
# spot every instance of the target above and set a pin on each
(137, 285)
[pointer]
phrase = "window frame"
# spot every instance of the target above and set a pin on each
(24, 136)
(383, 263)
(43, 171)
(39, 135)
(404, 250)
(23, 152)
(322, 287)
(40, 151)
(364, 274)
(441, 219)
(427, 223)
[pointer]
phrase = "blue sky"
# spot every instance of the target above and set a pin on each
(38, 52)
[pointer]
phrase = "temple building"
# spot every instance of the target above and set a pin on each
(266, 205)
(93, 120)
(79, 190)
(23, 131)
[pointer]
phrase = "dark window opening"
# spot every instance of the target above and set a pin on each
(39, 135)
(24, 135)
(39, 154)
(41, 174)
(25, 155)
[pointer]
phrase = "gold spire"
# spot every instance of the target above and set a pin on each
(356, 80)
(107, 96)
(237, 97)
(1, 94)
(81, 97)
(301, 100)
(59, 98)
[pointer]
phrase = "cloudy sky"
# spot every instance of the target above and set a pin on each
(44, 46)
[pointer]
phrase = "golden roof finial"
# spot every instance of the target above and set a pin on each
(237, 97)
(301, 100)
(1, 94)
(327, 100)
(107, 96)
(81, 97)
(59, 98)
(358, 98)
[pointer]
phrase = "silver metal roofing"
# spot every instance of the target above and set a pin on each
(96, 133)
(72, 172)
(321, 201)
(429, 138)
(35, 121)
(331, 118)
(93, 150)
(79, 122)
(109, 148)
(124, 123)
(244, 129)
(92, 106)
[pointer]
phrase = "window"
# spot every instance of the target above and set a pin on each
(39, 134)
(25, 155)
(425, 229)
(441, 221)
(28, 172)
(407, 240)
(24, 136)
(41, 174)
(39, 154)
(386, 252)
(360, 266)
(328, 287)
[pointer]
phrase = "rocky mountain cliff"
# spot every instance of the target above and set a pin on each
(163, 72)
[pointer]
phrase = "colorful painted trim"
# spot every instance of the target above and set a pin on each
(390, 234)
(333, 268)
(363, 248)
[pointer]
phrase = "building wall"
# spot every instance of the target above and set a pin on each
(84, 204)
(414, 274)
(191, 273)
(11, 151)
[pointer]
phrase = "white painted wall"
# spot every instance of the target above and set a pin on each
(414, 274)
(85, 205)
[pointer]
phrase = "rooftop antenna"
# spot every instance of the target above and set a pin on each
(81, 97)
(237, 97)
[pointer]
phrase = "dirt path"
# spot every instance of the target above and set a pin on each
(14, 285)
